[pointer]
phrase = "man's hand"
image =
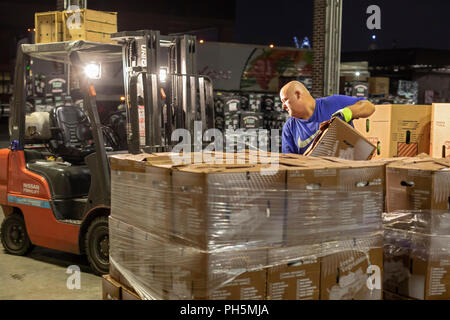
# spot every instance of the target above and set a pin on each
(345, 114)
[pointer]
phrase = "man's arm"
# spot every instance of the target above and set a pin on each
(362, 109)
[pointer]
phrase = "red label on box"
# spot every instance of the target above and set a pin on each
(407, 150)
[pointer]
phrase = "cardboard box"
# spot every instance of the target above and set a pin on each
(397, 130)
(331, 197)
(429, 279)
(396, 268)
(342, 141)
(222, 205)
(293, 273)
(89, 25)
(440, 130)
(171, 270)
(190, 202)
(418, 184)
(345, 274)
(247, 286)
(146, 181)
(379, 86)
(417, 260)
(140, 257)
(111, 289)
(231, 274)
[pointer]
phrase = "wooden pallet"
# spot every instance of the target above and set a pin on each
(114, 290)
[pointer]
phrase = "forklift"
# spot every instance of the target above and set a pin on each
(55, 178)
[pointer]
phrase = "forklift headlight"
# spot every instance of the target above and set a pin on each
(163, 74)
(93, 71)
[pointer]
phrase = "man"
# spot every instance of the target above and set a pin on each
(308, 113)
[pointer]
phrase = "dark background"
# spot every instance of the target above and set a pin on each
(405, 23)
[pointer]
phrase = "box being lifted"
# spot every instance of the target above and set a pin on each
(341, 140)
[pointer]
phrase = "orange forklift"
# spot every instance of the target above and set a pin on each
(55, 177)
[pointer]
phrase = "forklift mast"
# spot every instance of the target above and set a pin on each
(163, 90)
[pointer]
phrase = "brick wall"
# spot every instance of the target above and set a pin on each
(318, 45)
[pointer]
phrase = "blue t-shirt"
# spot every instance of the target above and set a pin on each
(298, 134)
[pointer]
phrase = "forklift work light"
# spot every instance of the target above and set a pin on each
(163, 74)
(93, 71)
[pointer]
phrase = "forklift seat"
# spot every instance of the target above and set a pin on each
(65, 181)
(73, 138)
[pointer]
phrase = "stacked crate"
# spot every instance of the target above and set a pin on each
(83, 24)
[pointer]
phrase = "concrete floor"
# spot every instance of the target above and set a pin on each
(42, 276)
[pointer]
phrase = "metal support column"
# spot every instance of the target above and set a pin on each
(333, 38)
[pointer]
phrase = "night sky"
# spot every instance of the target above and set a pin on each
(404, 23)
(410, 23)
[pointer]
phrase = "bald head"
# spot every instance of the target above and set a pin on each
(297, 100)
(292, 86)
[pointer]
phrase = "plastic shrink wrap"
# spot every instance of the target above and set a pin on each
(417, 254)
(282, 227)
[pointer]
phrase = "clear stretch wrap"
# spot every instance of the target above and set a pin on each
(417, 254)
(244, 230)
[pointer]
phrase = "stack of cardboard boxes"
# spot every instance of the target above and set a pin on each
(397, 130)
(416, 244)
(417, 256)
(408, 130)
(311, 229)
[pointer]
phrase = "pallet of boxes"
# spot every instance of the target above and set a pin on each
(82, 24)
(417, 230)
(228, 227)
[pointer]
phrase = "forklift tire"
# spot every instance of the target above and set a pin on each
(14, 235)
(97, 245)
